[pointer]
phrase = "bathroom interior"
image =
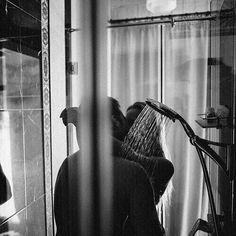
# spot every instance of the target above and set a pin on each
(55, 54)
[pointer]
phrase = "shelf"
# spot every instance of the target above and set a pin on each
(212, 122)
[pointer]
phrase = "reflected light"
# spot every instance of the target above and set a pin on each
(161, 6)
(109, 64)
(7, 209)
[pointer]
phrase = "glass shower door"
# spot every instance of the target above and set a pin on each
(22, 117)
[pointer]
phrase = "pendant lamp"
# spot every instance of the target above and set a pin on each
(161, 6)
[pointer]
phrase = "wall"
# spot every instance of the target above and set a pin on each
(58, 83)
(223, 93)
(32, 96)
(122, 9)
(21, 120)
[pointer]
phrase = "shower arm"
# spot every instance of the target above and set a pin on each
(203, 145)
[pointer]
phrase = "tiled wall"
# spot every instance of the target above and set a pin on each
(21, 120)
(22, 144)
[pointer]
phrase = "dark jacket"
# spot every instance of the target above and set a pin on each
(132, 197)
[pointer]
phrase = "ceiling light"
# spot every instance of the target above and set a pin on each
(161, 6)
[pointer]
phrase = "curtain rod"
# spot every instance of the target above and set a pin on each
(171, 19)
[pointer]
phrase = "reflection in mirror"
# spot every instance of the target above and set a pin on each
(21, 113)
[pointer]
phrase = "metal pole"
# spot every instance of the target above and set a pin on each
(209, 190)
(169, 19)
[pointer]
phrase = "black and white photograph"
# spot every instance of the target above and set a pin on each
(117, 117)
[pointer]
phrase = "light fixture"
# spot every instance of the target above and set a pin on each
(161, 6)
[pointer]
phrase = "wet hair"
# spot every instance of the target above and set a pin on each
(115, 107)
(71, 114)
(137, 105)
(119, 122)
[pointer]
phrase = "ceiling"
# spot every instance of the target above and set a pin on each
(122, 9)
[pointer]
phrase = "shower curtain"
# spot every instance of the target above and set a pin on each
(135, 62)
(185, 90)
(169, 64)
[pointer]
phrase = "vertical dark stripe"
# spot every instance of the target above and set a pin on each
(234, 132)
(209, 80)
(68, 75)
(94, 106)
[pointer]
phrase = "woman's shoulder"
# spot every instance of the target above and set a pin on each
(129, 168)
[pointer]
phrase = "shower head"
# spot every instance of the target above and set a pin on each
(194, 139)
(171, 114)
(162, 109)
